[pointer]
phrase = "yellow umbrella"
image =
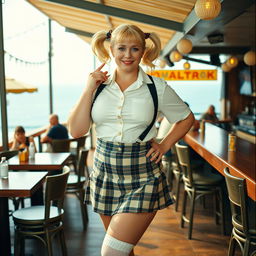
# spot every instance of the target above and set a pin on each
(14, 86)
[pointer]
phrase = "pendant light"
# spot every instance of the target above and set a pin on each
(175, 56)
(225, 67)
(184, 46)
(207, 9)
(186, 65)
(250, 58)
(162, 63)
(232, 62)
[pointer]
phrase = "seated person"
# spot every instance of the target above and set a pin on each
(56, 131)
(210, 115)
(20, 139)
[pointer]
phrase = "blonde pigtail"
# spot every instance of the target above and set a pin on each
(152, 51)
(98, 46)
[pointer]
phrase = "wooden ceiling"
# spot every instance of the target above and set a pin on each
(170, 19)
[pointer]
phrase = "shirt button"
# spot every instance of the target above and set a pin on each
(119, 117)
(119, 107)
(119, 133)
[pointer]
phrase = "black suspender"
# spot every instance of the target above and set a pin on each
(153, 92)
(99, 90)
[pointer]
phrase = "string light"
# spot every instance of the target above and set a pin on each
(25, 61)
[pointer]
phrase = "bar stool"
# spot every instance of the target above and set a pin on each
(244, 230)
(196, 185)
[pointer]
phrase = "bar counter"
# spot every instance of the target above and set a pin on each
(212, 145)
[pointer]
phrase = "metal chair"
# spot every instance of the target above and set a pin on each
(80, 144)
(196, 185)
(76, 183)
(43, 222)
(244, 230)
(63, 145)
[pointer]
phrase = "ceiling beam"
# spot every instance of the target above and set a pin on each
(79, 32)
(107, 18)
(199, 29)
(121, 13)
(188, 24)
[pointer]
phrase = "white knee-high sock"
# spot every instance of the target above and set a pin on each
(114, 247)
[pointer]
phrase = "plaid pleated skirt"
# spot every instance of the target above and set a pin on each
(123, 179)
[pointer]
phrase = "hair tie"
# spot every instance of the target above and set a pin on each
(108, 35)
(147, 35)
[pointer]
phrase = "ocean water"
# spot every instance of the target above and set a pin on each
(31, 110)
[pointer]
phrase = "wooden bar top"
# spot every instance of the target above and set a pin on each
(213, 147)
(42, 161)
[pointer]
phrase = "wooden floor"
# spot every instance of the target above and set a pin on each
(164, 237)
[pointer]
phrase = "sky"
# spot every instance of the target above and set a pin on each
(26, 38)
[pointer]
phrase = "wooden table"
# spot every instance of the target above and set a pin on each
(42, 161)
(213, 147)
(19, 184)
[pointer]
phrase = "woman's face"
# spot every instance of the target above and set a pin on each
(20, 136)
(127, 54)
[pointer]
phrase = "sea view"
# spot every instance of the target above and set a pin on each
(32, 109)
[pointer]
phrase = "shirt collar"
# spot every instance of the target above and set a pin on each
(142, 79)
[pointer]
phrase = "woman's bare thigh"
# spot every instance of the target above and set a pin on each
(106, 220)
(129, 227)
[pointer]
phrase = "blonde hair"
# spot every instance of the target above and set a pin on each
(151, 50)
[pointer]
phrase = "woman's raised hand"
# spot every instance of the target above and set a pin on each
(96, 78)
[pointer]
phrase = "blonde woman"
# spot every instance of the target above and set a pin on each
(127, 186)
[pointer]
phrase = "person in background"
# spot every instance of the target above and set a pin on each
(56, 131)
(20, 140)
(210, 115)
(127, 185)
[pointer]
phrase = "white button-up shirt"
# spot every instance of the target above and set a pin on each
(123, 116)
